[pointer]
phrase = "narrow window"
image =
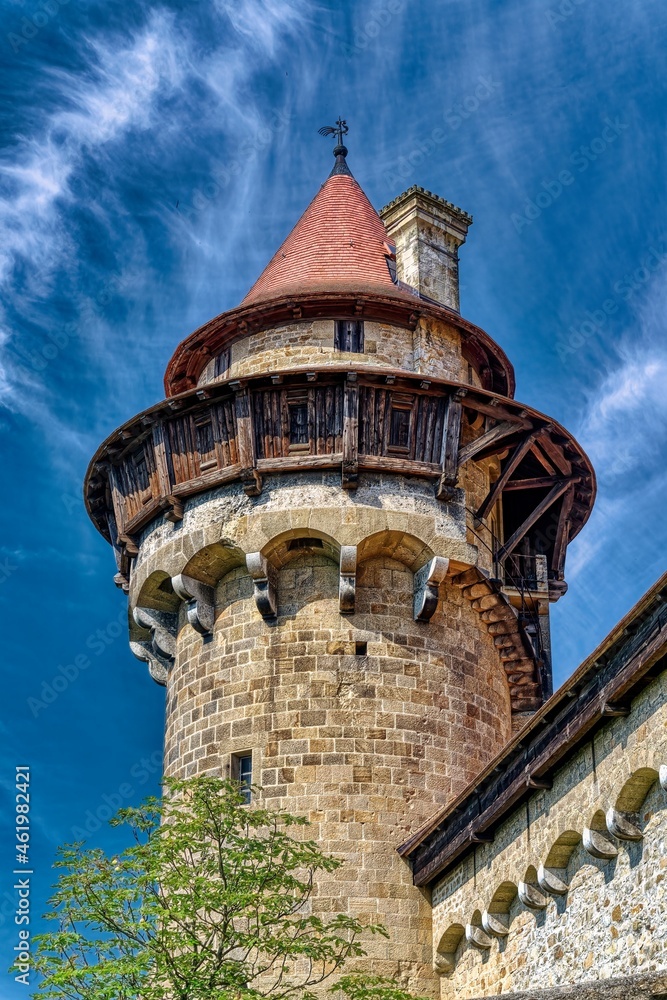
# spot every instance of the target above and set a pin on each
(399, 433)
(349, 336)
(221, 363)
(205, 443)
(360, 648)
(297, 412)
(242, 773)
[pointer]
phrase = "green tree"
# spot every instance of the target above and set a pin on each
(209, 902)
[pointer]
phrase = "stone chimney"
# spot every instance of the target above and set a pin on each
(428, 232)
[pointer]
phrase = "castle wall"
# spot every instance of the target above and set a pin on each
(609, 923)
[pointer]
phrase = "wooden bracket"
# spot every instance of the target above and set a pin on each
(129, 544)
(173, 508)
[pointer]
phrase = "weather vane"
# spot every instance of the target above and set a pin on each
(339, 130)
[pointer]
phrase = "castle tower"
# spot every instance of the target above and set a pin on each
(340, 535)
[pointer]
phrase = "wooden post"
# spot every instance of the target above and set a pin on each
(449, 453)
(252, 482)
(350, 466)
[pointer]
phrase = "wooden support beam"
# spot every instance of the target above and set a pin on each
(449, 451)
(555, 453)
(544, 505)
(538, 482)
(491, 408)
(252, 482)
(350, 464)
(543, 460)
(492, 437)
(515, 458)
(562, 534)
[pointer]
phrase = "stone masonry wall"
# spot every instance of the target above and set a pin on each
(366, 745)
(365, 723)
(610, 922)
(433, 348)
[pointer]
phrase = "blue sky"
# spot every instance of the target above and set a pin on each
(154, 156)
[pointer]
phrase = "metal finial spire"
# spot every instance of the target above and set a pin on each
(340, 151)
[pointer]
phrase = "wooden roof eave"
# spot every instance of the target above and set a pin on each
(127, 435)
(651, 603)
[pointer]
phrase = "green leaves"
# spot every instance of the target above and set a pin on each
(210, 901)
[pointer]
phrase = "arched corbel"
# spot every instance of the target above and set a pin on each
(348, 579)
(427, 587)
(142, 649)
(531, 896)
(496, 924)
(200, 600)
(623, 825)
(598, 845)
(158, 649)
(443, 965)
(552, 880)
(477, 937)
(264, 581)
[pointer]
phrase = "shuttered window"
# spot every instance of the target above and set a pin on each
(349, 336)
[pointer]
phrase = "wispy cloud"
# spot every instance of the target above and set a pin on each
(65, 228)
(625, 422)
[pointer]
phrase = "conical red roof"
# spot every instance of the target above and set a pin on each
(338, 243)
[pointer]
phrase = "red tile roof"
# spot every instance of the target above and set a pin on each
(337, 243)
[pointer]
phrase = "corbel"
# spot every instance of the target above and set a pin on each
(531, 896)
(348, 579)
(496, 924)
(129, 544)
(263, 577)
(623, 825)
(159, 648)
(172, 507)
(142, 649)
(200, 600)
(427, 587)
(552, 880)
(598, 844)
(477, 937)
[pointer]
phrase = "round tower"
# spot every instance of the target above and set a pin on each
(340, 535)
